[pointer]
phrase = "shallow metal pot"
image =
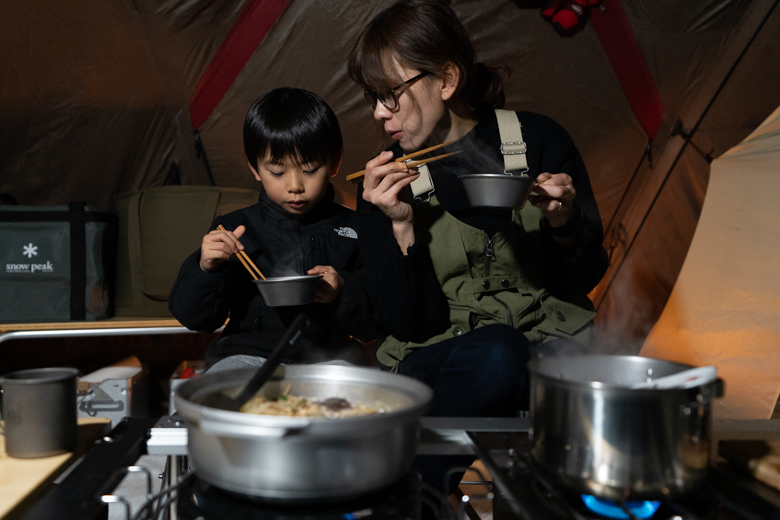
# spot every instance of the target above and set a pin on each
(298, 458)
(288, 290)
(500, 190)
(595, 434)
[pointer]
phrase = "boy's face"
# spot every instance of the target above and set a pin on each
(296, 188)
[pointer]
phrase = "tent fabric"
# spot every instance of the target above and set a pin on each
(724, 309)
(94, 101)
(240, 43)
(616, 36)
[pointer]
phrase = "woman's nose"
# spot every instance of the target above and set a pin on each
(381, 112)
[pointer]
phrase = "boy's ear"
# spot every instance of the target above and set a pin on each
(450, 80)
(335, 168)
(254, 171)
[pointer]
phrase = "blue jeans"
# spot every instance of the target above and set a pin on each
(479, 374)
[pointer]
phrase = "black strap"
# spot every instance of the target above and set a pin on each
(78, 261)
(8, 199)
(173, 178)
(200, 152)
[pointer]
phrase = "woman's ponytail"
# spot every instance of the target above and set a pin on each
(486, 88)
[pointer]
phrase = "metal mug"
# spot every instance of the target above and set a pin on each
(39, 412)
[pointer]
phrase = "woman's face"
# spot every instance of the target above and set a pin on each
(420, 110)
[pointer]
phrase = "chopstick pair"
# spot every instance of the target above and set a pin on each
(354, 177)
(244, 258)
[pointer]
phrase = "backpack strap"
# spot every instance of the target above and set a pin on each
(512, 145)
(422, 187)
(512, 148)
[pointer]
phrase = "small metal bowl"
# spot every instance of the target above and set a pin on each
(288, 290)
(500, 190)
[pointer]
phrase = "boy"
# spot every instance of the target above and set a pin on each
(293, 143)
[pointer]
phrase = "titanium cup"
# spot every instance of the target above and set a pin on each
(500, 190)
(39, 412)
(288, 290)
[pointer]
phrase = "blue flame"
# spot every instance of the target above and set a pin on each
(610, 509)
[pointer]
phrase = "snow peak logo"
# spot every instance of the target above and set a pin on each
(29, 251)
(346, 232)
(29, 268)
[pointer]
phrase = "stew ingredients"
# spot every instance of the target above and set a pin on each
(291, 405)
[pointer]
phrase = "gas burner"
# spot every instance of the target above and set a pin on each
(193, 498)
(529, 494)
(621, 510)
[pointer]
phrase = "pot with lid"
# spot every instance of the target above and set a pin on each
(303, 458)
(594, 433)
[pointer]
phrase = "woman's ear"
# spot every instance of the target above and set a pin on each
(450, 81)
(254, 172)
(334, 169)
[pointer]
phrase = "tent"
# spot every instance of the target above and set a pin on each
(96, 98)
(724, 309)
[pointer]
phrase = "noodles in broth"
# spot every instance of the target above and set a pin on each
(296, 406)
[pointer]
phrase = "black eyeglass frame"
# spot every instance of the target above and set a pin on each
(372, 97)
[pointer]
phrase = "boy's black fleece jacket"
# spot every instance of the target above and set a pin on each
(280, 244)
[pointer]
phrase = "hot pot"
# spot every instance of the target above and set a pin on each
(595, 434)
(300, 458)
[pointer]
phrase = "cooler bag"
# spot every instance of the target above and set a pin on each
(57, 262)
(158, 229)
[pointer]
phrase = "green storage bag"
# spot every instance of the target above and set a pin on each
(158, 229)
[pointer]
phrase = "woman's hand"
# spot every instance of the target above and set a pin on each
(331, 285)
(383, 186)
(218, 246)
(554, 195)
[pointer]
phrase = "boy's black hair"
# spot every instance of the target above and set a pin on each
(292, 122)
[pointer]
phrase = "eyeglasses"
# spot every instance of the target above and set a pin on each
(389, 98)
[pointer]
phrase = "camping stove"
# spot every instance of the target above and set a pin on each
(522, 491)
(518, 490)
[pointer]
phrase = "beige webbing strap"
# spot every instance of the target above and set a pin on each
(512, 145)
(512, 148)
(423, 185)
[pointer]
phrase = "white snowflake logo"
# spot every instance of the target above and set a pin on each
(30, 250)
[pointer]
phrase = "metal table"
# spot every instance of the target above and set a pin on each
(117, 326)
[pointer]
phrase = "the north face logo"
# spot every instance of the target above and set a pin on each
(346, 232)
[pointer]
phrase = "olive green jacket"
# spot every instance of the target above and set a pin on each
(490, 280)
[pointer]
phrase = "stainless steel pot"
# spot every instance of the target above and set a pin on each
(595, 434)
(298, 458)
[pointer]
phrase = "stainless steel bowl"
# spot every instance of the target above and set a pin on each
(596, 434)
(288, 290)
(497, 189)
(300, 458)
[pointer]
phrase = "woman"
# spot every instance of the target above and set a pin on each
(466, 293)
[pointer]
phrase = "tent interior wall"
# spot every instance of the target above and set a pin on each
(94, 101)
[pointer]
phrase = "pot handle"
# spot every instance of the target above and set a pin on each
(244, 431)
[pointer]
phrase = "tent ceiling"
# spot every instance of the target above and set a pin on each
(94, 101)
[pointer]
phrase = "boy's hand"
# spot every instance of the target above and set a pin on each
(218, 246)
(330, 286)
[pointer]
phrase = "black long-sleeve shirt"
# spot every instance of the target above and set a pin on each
(280, 244)
(407, 297)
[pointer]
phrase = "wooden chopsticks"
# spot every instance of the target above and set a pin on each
(354, 177)
(413, 164)
(248, 263)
